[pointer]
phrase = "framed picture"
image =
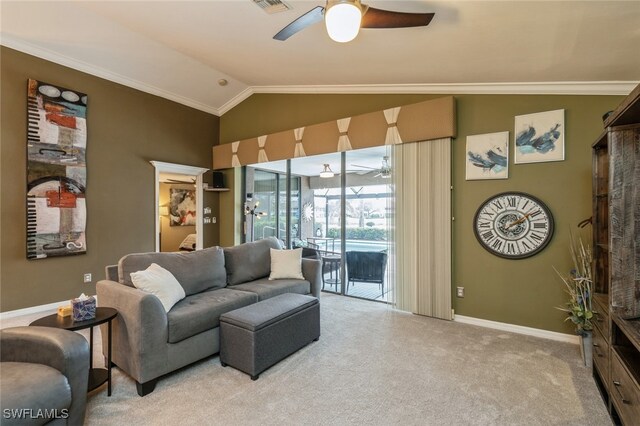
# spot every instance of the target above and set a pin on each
(56, 171)
(182, 207)
(539, 137)
(488, 156)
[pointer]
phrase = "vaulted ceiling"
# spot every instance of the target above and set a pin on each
(181, 49)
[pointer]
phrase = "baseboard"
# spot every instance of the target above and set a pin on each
(35, 309)
(529, 331)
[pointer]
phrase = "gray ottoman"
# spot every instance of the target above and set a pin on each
(258, 336)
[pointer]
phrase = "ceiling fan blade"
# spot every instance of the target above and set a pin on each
(378, 18)
(364, 167)
(313, 16)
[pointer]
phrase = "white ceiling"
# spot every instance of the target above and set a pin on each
(180, 49)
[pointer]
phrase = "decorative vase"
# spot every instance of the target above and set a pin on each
(586, 348)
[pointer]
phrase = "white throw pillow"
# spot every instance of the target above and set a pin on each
(161, 283)
(286, 264)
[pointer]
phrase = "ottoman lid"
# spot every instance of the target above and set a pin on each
(261, 314)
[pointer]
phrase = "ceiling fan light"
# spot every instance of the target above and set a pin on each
(342, 20)
(327, 172)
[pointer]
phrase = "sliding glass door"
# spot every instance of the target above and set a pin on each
(266, 203)
(368, 220)
(338, 205)
(324, 174)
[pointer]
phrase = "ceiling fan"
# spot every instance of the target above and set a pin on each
(344, 18)
(384, 171)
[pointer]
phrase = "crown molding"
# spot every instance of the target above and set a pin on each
(49, 55)
(236, 100)
(600, 88)
(524, 88)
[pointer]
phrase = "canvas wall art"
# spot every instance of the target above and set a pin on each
(182, 207)
(56, 171)
(539, 137)
(488, 156)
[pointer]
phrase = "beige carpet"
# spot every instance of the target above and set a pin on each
(375, 366)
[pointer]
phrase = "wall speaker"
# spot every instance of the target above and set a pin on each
(218, 180)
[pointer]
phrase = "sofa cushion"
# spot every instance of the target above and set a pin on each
(195, 271)
(266, 288)
(286, 264)
(249, 261)
(32, 386)
(161, 283)
(201, 312)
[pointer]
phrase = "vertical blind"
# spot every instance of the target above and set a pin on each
(423, 227)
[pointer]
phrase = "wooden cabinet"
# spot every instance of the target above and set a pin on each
(616, 265)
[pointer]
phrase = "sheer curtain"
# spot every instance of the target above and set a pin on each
(422, 229)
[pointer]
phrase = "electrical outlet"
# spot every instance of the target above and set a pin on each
(460, 291)
(87, 278)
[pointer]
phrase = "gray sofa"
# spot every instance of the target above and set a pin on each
(45, 372)
(149, 342)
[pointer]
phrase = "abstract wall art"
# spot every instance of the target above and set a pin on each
(182, 207)
(539, 137)
(488, 156)
(56, 171)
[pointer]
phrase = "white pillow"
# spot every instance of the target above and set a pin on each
(286, 264)
(161, 283)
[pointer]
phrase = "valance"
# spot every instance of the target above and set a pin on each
(432, 119)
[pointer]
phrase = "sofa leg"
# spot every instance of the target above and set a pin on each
(224, 364)
(147, 387)
(256, 377)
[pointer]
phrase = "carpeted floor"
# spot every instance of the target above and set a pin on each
(375, 366)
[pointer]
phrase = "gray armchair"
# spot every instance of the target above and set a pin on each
(45, 371)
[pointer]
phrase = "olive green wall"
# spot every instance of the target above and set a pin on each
(522, 292)
(126, 129)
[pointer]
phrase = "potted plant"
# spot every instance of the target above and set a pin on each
(578, 286)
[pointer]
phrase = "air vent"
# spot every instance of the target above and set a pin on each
(272, 6)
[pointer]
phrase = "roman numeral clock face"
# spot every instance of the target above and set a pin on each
(513, 225)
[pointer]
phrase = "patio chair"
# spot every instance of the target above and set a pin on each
(366, 266)
(308, 251)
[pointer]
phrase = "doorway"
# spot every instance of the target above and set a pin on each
(175, 206)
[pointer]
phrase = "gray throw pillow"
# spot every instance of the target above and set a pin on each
(195, 271)
(249, 261)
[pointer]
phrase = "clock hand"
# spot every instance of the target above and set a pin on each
(522, 219)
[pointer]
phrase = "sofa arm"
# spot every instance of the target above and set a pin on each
(111, 272)
(64, 350)
(312, 272)
(140, 331)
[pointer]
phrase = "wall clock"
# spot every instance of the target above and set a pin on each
(513, 225)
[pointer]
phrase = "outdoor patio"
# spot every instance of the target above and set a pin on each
(364, 290)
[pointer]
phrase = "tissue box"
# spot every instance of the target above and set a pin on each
(84, 309)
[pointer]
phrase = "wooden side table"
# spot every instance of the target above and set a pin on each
(97, 376)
